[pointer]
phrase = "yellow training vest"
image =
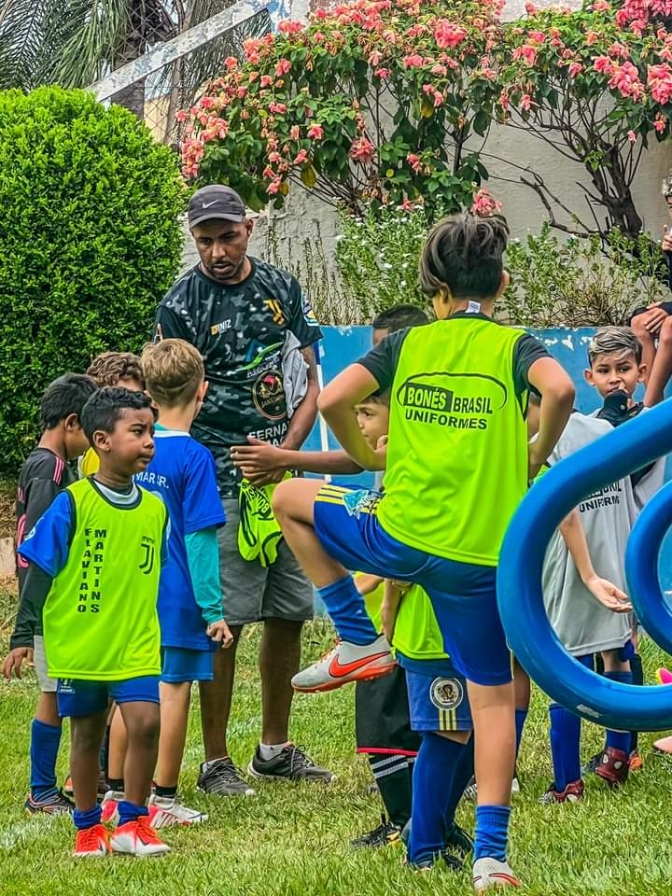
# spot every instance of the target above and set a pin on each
(100, 618)
(457, 451)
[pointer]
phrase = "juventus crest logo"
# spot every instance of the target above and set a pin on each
(147, 546)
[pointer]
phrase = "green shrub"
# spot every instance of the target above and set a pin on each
(89, 243)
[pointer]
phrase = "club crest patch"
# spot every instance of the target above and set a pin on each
(446, 693)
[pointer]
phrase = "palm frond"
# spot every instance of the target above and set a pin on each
(21, 34)
(89, 51)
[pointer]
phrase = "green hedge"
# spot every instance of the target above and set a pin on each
(89, 243)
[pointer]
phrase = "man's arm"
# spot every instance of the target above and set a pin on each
(305, 414)
(169, 325)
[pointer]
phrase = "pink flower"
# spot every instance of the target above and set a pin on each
(603, 65)
(375, 57)
(294, 132)
(484, 205)
(659, 82)
(525, 102)
(537, 37)
(413, 61)
(439, 70)
(414, 161)
(575, 69)
(315, 132)
(601, 6)
(660, 124)
(620, 50)
(301, 157)
(230, 63)
(625, 79)
(274, 157)
(527, 53)
(241, 92)
(448, 35)
(439, 99)
(277, 108)
(181, 116)
(274, 187)
(504, 100)
(283, 66)
(382, 73)
(268, 173)
(592, 37)
(632, 137)
(287, 27)
(531, 9)
(362, 150)
(265, 81)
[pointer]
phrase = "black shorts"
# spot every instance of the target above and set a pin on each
(382, 717)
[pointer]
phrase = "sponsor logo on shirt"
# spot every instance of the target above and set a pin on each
(604, 497)
(458, 401)
(221, 327)
(269, 395)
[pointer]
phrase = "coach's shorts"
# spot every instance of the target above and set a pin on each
(382, 720)
(180, 664)
(252, 592)
(47, 685)
(438, 702)
(463, 595)
(88, 698)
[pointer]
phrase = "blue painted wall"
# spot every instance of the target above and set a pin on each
(343, 345)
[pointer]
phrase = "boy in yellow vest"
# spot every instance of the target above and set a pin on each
(457, 465)
(100, 547)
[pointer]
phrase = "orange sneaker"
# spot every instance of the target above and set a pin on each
(138, 838)
(92, 843)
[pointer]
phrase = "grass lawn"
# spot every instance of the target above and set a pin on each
(293, 840)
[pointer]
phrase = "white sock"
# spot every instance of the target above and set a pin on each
(270, 751)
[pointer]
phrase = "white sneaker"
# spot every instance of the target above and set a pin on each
(138, 838)
(110, 806)
(492, 873)
(166, 811)
(346, 662)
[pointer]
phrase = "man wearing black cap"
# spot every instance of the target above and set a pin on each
(241, 314)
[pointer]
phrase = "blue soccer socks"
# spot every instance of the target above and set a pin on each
(44, 743)
(347, 610)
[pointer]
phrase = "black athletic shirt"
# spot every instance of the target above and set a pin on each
(43, 476)
(240, 331)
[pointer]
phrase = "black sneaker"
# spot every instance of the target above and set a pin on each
(291, 764)
(222, 778)
(458, 845)
(592, 764)
(384, 835)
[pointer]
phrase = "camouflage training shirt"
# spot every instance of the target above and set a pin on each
(240, 331)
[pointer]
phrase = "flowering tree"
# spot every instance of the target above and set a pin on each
(391, 102)
(594, 85)
(368, 104)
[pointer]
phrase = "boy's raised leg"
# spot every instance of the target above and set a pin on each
(361, 653)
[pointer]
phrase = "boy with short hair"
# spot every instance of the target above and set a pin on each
(100, 547)
(44, 474)
(183, 473)
(583, 625)
(122, 369)
(457, 439)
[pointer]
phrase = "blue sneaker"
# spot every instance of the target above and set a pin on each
(54, 804)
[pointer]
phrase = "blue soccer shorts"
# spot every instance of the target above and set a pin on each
(179, 664)
(87, 698)
(438, 702)
(463, 595)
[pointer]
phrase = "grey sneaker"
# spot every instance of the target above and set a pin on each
(222, 778)
(291, 764)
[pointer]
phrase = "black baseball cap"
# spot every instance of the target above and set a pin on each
(215, 202)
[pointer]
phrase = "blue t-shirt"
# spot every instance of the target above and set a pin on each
(183, 474)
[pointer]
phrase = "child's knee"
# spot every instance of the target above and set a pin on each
(86, 735)
(143, 728)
